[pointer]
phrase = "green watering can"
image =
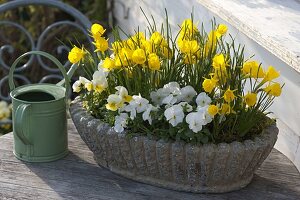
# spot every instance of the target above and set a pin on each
(39, 116)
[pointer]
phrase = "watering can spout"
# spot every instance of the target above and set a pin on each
(70, 73)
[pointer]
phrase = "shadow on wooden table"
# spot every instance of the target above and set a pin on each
(78, 177)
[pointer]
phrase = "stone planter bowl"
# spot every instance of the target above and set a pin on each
(203, 168)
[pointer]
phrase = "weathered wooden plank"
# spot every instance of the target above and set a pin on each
(77, 176)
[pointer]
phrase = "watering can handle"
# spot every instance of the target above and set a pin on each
(19, 123)
(41, 53)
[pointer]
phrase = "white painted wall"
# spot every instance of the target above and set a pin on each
(286, 108)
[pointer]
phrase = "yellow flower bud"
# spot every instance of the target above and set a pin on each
(153, 62)
(221, 30)
(101, 44)
(76, 54)
(271, 74)
(139, 56)
(250, 99)
(108, 63)
(212, 110)
(209, 84)
(273, 89)
(229, 95)
(219, 62)
(97, 31)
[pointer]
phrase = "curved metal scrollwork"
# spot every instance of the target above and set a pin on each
(60, 48)
(10, 49)
(80, 23)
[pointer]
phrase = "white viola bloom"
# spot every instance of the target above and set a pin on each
(172, 88)
(174, 114)
(169, 100)
(158, 96)
(195, 121)
(202, 109)
(207, 118)
(188, 107)
(99, 80)
(122, 91)
(187, 94)
(147, 114)
(131, 109)
(203, 99)
(120, 122)
(77, 85)
(139, 103)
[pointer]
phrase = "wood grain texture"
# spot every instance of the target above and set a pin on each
(77, 176)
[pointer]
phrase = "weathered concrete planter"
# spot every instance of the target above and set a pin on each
(204, 168)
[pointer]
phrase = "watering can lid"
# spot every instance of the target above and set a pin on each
(58, 92)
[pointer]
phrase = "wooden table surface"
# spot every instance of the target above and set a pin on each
(77, 176)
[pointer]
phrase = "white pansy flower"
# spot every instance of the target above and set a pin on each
(169, 100)
(158, 96)
(76, 86)
(172, 88)
(187, 94)
(147, 114)
(207, 118)
(99, 80)
(174, 114)
(120, 122)
(203, 99)
(132, 110)
(139, 103)
(202, 109)
(113, 102)
(195, 121)
(122, 91)
(188, 107)
(80, 82)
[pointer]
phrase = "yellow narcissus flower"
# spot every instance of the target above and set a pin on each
(225, 109)
(116, 46)
(229, 95)
(97, 31)
(76, 54)
(188, 46)
(138, 37)
(221, 30)
(250, 99)
(271, 74)
(148, 46)
(209, 84)
(156, 38)
(219, 62)
(253, 69)
(108, 64)
(153, 62)
(167, 52)
(126, 54)
(212, 110)
(114, 102)
(189, 59)
(273, 89)
(211, 43)
(139, 56)
(101, 44)
(188, 28)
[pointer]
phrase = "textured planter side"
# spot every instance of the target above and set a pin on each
(206, 168)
